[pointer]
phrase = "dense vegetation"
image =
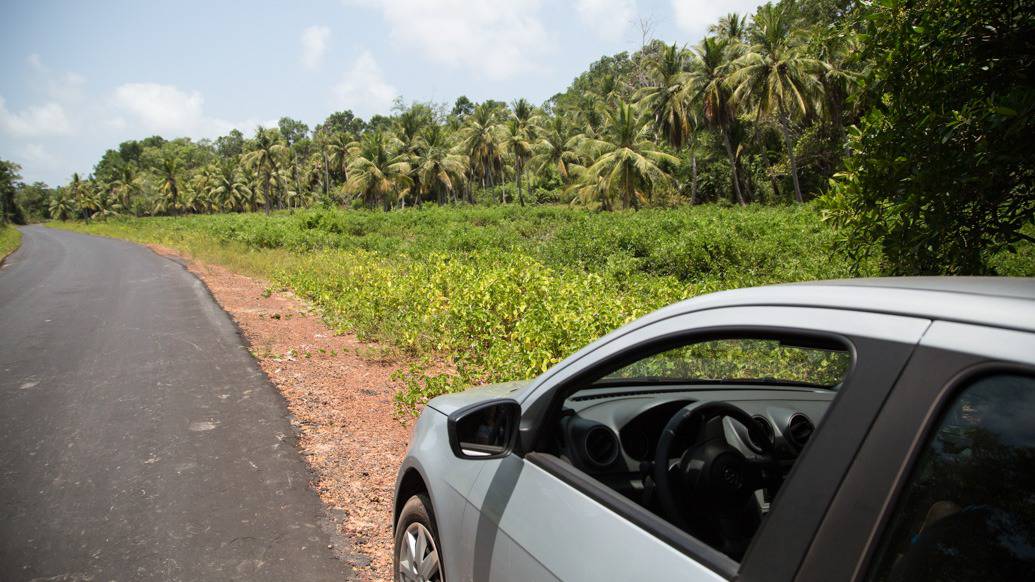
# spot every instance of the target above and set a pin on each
(500, 293)
(812, 139)
(907, 119)
(9, 240)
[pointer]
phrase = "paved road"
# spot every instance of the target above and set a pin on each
(138, 438)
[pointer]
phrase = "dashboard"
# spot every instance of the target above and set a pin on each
(610, 432)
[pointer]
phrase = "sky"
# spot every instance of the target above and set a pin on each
(77, 78)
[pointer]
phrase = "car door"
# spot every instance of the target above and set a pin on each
(539, 518)
(949, 456)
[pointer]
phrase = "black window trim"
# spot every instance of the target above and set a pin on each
(945, 397)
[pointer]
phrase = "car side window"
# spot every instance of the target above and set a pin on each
(968, 509)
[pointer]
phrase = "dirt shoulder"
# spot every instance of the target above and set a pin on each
(340, 397)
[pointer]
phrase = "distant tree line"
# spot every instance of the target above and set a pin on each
(908, 119)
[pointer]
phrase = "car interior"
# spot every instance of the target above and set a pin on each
(702, 434)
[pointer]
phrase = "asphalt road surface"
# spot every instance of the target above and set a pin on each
(138, 438)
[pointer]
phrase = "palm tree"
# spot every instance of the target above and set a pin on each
(226, 188)
(125, 184)
(75, 192)
(667, 96)
(89, 200)
(263, 159)
(337, 154)
(708, 77)
(439, 169)
(669, 99)
(555, 148)
(626, 158)
(518, 144)
(169, 168)
(379, 172)
(732, 27)
(776, 77)
(63, 206)
(480, 139)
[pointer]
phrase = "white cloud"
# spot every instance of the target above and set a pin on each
(167, 110)
(495, 39)
(35, 121)
(363, 88)
(37, 158)
(608, 19)
(694, 16)
(162, 108)
(314, 46)
(62, 87)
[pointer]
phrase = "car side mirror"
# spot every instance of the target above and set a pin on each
(485, 430)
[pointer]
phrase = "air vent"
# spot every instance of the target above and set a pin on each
(765, 431)
(601, 446)
(799, 430)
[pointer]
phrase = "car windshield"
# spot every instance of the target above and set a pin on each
(738, 361)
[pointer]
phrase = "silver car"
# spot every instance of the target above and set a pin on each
(849, 430)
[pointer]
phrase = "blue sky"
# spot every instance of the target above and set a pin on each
(77, 78)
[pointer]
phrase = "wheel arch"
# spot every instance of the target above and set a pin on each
(411, 482)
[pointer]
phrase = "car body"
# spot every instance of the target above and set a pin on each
(534, 508)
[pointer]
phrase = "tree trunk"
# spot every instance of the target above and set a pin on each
(792, 160)
(266, 192)
(733, 165)
(326, 173)
(693, 178)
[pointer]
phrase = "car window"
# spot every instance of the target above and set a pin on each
(740, 361)
(968, 510)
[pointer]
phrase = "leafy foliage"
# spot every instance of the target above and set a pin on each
(942, 173)
(503, 292)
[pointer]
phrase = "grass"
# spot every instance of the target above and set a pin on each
(10, 238)
(502, 293)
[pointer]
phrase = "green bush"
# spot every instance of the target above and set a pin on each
(10, 238)
(500, 293)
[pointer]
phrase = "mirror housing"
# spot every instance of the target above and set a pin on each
(485, 430)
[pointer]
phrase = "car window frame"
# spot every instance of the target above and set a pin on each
(898, 336)
(949, 358)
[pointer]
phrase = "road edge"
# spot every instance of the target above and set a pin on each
(331, 519)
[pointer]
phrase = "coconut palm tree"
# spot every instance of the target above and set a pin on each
(626, 158)
(732, 27)
(337, 154)
(125, 184)
(378, 172)
(226, 187)
(62, 207)
(555, 148)
(440, 170)
(264, 158)
(518, 144)
(667, 97)
(776, 77)
(480, 139)
(169, 169)
(708, 77)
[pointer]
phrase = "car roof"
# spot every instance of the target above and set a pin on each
(1006, 302)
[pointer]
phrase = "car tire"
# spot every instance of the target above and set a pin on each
(417, 555)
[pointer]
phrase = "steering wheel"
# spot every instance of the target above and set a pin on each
(715, 481)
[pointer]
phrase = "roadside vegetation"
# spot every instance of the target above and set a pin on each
(499, 293)
(10, 238)
(908, 122)
(811, 139)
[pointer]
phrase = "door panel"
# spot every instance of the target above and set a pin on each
(533, 526)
